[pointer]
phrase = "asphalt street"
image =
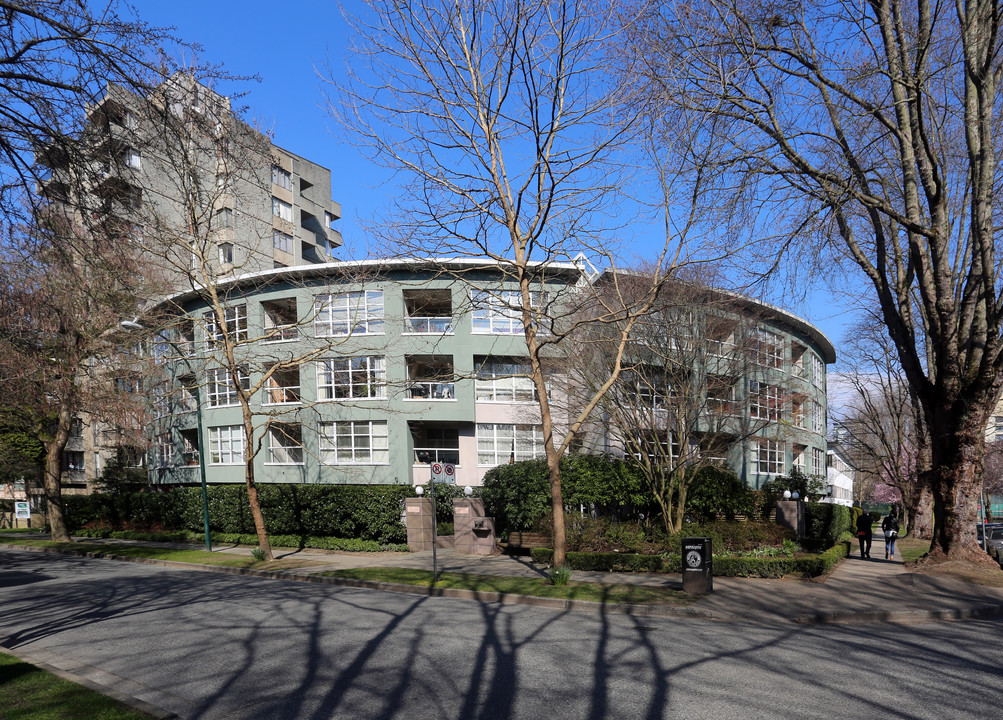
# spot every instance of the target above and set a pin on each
(206, 645)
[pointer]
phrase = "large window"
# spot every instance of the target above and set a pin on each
(351, 313)
(282, 241)
(500, 312)
(354, 442)
(282, 210)
(226, 445)
(769, 457)
(220, 390)
(817, 418)
(498, 443)
(285, 444)
(818, 461)
(768, 348)
(281, 177)
(764, 401)
(502, 379)
(817, 371)
(351, 378)
(235, 318)
(164, 448)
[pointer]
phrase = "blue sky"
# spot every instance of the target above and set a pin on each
(284, 43)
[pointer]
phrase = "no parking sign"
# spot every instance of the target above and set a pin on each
(444, 473)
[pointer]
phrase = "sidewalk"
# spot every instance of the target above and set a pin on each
(857, 591)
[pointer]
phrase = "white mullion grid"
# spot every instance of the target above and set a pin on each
(226, 445)
(358, 312)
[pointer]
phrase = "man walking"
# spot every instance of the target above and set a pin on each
(864, 535)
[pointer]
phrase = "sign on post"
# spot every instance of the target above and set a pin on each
(444, 473)
(21, 510)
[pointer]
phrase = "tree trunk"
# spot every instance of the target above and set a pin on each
(52, 479)
(921, 515)
(557, 507)
(955, 482)
(252, 488)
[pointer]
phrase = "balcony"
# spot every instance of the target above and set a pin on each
(427, 456)
(428, 312)
(430, 377)
(280, 320)
(430, 390)
(428, 325)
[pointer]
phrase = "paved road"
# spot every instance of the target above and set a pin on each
(208, 645)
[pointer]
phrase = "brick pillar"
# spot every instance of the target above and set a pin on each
(474, 534)
(420, 523)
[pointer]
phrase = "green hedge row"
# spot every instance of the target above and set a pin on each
(368, 512)
(824, 523)
(730, 566)
(184, 536)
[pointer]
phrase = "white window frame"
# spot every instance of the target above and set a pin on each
(225, 253)
(133, 158)
(775, 460)
(282, 210)
(220, 391)
(358, 312)
(497, 443)
(227, 445)
(235, 318)
(284, 448)
(817, 371)
(164, 450)
(341, 378)
(499, 312)
(817, 417)
(764, 401)
(282, 241)
(503, 380)
(282, 177)
(354, 442)
(768, 348)
(818, 460)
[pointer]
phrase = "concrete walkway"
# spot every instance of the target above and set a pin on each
(858, 590)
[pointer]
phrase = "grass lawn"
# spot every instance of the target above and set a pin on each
(200, 557)
(911, 548)
(30, 693)
(537, 587)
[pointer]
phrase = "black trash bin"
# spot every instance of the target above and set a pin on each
(698, 566)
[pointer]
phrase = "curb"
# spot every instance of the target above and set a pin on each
(106, 690)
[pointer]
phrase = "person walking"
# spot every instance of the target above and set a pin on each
(890, 527)
(864, 534)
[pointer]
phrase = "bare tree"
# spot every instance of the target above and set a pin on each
(888, 442)
(678, 404)
(870, 133)
(209, 227)
(60, 341)
(510, 133)
(57, 56)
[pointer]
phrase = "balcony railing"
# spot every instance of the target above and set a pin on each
(427, 456)
(428, 324)
(280, 395)
(430, 391)
(281, 333)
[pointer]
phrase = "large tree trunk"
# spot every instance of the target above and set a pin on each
(920, 515)
(52, 478)
(955, 482)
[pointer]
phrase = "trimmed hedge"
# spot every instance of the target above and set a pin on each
(724, 566)
(369, 512)
(318, 543)
(824, 523)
